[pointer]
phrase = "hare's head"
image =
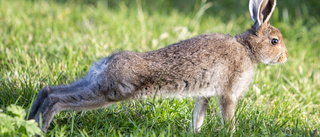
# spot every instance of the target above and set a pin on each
(264, 40)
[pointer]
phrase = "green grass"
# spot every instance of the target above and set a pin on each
(55, 42)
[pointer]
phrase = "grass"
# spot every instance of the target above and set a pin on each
(55, 42)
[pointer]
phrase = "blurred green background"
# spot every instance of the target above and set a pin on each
(54, 42)
(290, 10)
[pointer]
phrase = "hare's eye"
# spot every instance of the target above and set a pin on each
(274, 41)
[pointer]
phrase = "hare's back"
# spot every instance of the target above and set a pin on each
(198, 66)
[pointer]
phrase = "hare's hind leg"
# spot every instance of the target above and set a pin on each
(82, 96)
(199, 113)
(41, 96)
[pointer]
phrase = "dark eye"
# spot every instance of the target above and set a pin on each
(274, 41)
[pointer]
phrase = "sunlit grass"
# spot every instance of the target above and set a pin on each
(51, 43)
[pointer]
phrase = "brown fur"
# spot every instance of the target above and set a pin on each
(204, 66)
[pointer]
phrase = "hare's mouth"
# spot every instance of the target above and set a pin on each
(278, 59)
(281, 58)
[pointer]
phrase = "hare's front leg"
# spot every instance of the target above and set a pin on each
(199, 113)
(227, 105)
(229, 97)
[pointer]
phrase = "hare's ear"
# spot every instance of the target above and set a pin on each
(261, 11)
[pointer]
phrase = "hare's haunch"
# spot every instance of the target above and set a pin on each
(204, 66)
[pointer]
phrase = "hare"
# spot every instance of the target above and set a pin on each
(203, 66)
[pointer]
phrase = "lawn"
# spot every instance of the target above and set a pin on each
(55, 42)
